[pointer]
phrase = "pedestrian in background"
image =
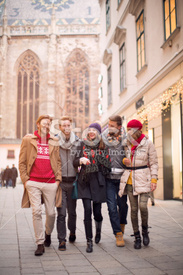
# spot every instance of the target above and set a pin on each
(117, 207)
(7, 176)
(14, 175)
(2, 177)
(139, 178)
(40, 172)
(95, 165)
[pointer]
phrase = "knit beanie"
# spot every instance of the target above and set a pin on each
(96, 126)
(134, 124)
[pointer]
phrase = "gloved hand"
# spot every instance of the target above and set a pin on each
(84, 161)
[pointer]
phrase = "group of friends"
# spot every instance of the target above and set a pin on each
(8, 176)
(108, 166)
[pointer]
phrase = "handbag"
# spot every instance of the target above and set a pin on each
(75, 188)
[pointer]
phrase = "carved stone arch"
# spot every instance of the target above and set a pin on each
(77, 83)
(27, 69)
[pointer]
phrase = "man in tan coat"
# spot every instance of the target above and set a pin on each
(40, 172)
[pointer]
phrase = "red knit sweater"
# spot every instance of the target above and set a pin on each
(41, 170)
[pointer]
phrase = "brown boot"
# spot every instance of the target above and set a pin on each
(122, 228)
(40, 250)
(119, 239)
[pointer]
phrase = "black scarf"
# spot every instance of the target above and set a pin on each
(100, 161)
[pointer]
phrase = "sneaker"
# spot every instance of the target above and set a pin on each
(119, 239)
(40, 250)
(72, 237)
(62, 246)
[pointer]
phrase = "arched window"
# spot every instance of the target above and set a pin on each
(27, 95)
(77, 89)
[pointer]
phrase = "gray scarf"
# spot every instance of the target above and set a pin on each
(66, 144)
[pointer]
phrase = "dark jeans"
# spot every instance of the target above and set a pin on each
(8, 183)
(67, 204)
(117, 207)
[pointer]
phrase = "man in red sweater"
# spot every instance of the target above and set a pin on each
(40, 172)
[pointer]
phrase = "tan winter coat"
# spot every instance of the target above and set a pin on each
(28, 154)
(145, 154)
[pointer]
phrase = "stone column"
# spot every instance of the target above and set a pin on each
(52, 57)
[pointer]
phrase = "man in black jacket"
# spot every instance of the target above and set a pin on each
(117, 207)
(14, 175)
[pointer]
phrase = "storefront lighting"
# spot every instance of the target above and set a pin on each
(156, 107)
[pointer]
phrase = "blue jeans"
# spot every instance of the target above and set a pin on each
(117, 207)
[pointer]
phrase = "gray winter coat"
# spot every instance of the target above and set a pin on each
(67, 156)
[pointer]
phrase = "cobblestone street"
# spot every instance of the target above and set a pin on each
(17, 246)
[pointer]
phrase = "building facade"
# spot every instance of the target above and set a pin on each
(49, 64)
(142, 77)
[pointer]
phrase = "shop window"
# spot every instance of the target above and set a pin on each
(151, 134)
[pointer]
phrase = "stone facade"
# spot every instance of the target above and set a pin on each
(51, 35)
(150, 90)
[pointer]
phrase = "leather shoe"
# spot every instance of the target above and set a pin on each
(40, 250)
(47, 241)
(72, 238)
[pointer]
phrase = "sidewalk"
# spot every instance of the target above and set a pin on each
(163, 256)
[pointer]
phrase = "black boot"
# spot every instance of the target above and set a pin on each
(145, 235)
(137, 242)
(89, 235)
(98, 231)
(47, 240)
(89, 247)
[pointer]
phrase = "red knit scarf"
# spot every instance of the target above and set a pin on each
(39, 137)
(133, 148)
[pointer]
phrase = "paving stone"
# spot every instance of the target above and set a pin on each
(9, 271)
(32, 271)
(114, 271)
(81, 269)
(164, 255)
(174, 272)
(149, 271)
(10, 263)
